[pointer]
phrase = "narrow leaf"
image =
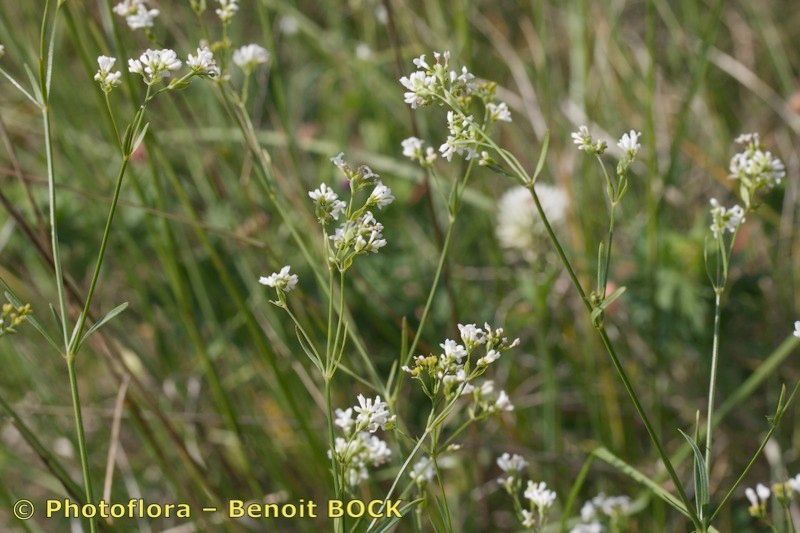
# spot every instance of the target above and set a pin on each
(700, 476)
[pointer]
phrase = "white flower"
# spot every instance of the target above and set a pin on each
(453, 350)
(227, 9)
(755, 168)
(584, 141)
(288, 25)
(629, 143)
(794, 483)
(612, 505)
(282, 281)
(539, 495)
(203, 63)
(338, 160)
(518, 222)
(471, 335)
(153, 65)
(372, 414)
(137, 14)
(499, 112)
(344, 419)
(758, 499)
(796, 332)
(462, 137)
(414, 149)
(420, 62)
(422, 472)
(105, 77)
(723, 219)
(356, 453)
(511, 463)
(490, 357)
(381, 196)
(503, 403)
(250, 56)
(528, 518)
(327, 203)
(420, 87)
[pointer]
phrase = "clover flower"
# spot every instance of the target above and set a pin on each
(137, 14)
(105, 77)
(372, 414)
(226, 10)
(725, 219)
(203, 63)
(249, 56)
(355, 454)
(498, 112)
(519, 228)
(422, 472)
(584, 141)
(414, 149)
(758, 499)
(327, 205)
(153, 65)
(755, 168)
(12, 316)
(281, 281)
(381, 196)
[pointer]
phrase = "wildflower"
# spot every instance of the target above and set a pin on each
(226, 10)
(354, 237)
(344, 419)
(794, 482)
(796, 332)
(372, 414)
(499, 112)
(288, 25)
(153, 65)
(381, 196)
(422, 472)
(248, 57)
(462, 137)
(629, 143)
(471, 335)
(420, 87)
(203, 64)
(512, 466)
(354, 455)
(12, 316)
(453, 350)
(503, 403)
(137, 14)
(612, 506)
(519, 228)
(413, 149)
(541, 499)
(758, 499)
(584, 141)
(338, 160)
(281, 281)
(755, 168)
(326, 203)
(105, 77)
(723, 219)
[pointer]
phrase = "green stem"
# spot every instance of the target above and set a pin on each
(712, 384)
(76, 411)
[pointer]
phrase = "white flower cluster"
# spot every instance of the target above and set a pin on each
(540, 498)
(282, 281)
(437, 83)
(423, 471)
(226, 10)
(725, 219)
(487, 401)
(249, 56)
(414, 149)
(154, 65)
(755, 168)
(584, 141)
(512, 467)
(759, 496)
(203, 63)
(137, 13)
(107, 78)
(601, 508)
(519, 228)
(359, 233)
(453, 371)
(357, 448)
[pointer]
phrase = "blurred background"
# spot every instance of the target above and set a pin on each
(194, 232)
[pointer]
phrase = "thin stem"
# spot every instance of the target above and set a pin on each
(76, 411)
(712, 384)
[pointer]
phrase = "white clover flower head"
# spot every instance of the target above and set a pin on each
(511, 463)
(414, 149)
(153, 65)
(725, 219)
(372, 414)
(226, 10)
(344, 419)
(327, 204)
(203, 63)
(539, 496)
(249, 56)
(499, 112)
(519, 228)
(107, 78)
(422, 472)
(796, 331)
(629, 143)
(584, 141)
(755, 168)
(137, 14)
(282, 281)
(381, 196)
